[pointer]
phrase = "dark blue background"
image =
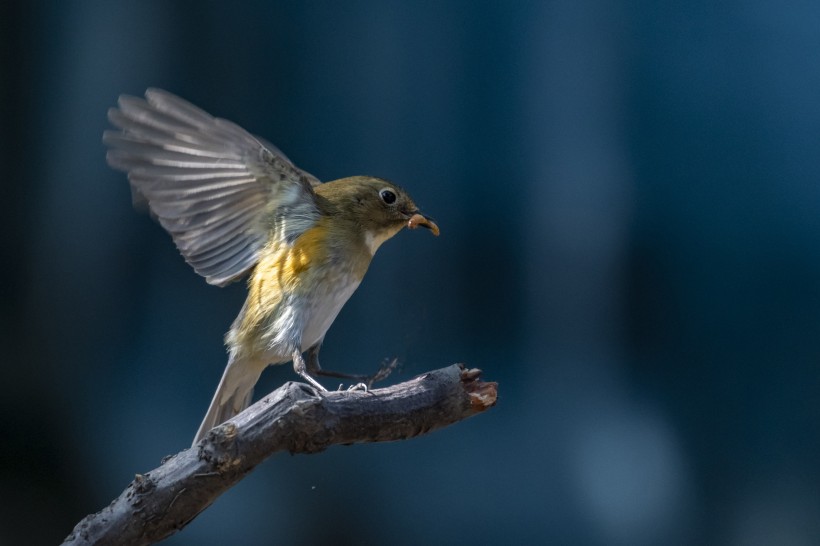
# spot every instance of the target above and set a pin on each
(630, 211)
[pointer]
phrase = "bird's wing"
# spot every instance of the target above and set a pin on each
(218, 190)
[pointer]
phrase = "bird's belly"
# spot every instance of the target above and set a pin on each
(323, 312)
(302, 319)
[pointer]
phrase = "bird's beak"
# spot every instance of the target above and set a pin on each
(418, 219)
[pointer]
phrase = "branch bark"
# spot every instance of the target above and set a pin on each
(292, 418)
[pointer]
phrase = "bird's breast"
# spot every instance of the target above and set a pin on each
(297, 290)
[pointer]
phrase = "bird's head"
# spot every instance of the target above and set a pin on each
(378, 208)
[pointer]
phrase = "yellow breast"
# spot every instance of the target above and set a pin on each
(318, 268)
(287, 268)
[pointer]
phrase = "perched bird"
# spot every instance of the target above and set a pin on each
(235, 205)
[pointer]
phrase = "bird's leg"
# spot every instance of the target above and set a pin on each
(313, 368)
(300, 368)
(384, 371)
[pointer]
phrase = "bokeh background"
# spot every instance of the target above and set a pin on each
(630, 211)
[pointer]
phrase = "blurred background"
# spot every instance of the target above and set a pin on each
(630, 211)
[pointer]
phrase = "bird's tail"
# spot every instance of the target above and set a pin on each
(233, 394)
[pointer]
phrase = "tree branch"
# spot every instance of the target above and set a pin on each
(292, 418)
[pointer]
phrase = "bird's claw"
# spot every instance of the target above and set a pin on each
(366, 381)
(383, 372)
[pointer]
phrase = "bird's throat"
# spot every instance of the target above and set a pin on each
(374, 239)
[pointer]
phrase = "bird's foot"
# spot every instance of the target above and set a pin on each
(382, 373)
(357, 387)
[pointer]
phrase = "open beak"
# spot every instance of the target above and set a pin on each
(418, 219)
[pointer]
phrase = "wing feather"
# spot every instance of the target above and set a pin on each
(219, 191)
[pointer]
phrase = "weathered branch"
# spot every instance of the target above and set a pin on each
(292, 418)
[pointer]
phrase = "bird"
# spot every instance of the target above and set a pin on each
(236, 207)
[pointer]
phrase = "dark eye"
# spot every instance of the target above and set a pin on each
(387, 196)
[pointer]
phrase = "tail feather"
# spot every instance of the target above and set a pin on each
(233, 395)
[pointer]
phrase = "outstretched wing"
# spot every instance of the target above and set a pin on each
(218, 190)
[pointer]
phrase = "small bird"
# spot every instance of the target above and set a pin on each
(235, 205)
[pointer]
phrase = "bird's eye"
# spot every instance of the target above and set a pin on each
(388, 196)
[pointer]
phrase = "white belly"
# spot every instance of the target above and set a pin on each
(302, 321)
(324, 313)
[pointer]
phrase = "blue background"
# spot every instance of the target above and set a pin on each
(630, 212)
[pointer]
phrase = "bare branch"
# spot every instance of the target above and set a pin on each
(292, 418)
